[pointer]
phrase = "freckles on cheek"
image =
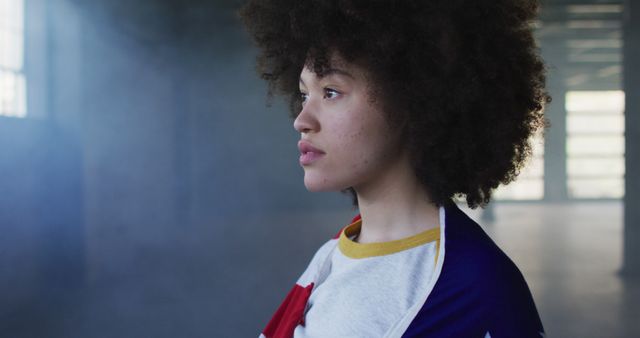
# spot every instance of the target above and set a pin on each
(359, 163)
(359, 133)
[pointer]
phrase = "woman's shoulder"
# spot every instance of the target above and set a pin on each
(480, 277)
(473, 256)
(317, 261)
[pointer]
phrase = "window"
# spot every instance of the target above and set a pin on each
(595, 144)
(13, 87)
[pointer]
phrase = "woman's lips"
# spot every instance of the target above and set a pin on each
(308, 153)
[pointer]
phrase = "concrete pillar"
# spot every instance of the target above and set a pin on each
(631, 259)
(555, 166)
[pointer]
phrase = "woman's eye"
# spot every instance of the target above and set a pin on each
(330, 93)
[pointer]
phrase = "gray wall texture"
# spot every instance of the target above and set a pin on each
(152, 193)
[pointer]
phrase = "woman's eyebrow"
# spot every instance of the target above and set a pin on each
(332, 71)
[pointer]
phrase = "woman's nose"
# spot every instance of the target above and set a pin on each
(306, 121)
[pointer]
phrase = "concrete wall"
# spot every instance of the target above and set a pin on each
(179, 183)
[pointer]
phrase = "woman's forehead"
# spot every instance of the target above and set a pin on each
(331, 71)
(337, 66)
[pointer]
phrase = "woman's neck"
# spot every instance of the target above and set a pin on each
(395, 206)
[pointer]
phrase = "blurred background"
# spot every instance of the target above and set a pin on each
(146, 190)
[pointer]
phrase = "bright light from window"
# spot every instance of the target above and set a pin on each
(13, 86)
(595, 144)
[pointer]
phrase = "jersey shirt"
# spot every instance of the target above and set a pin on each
(452, 281)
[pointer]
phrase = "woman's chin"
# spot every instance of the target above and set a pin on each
(319, 185)
(314, 187)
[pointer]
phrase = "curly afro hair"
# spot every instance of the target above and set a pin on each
(463, 79)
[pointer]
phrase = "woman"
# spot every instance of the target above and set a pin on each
(406, 105)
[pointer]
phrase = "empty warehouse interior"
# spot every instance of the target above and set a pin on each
(149, 188)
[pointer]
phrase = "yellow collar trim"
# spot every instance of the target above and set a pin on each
(363, 250)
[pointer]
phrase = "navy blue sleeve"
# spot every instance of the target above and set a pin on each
(506, 301)
(479, 291)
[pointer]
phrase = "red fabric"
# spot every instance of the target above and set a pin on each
(339, 232)
(289, 314)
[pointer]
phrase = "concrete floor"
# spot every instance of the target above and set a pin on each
(226, 280)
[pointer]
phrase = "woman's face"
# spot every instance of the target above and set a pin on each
(345, 138)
